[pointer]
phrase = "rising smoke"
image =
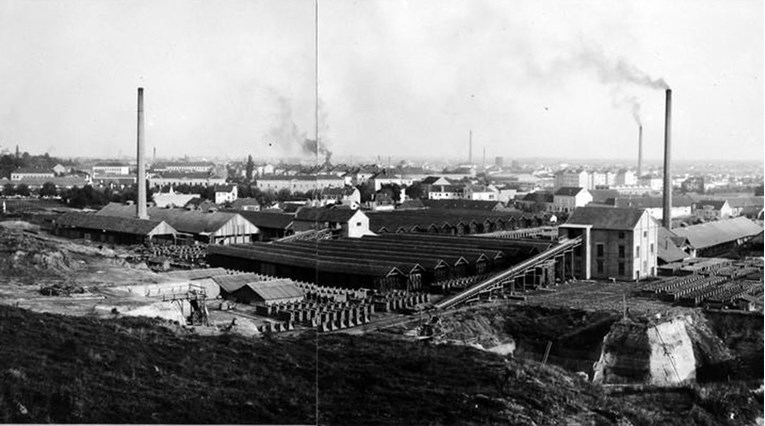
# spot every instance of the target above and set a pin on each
(290, 140)
(617, 72)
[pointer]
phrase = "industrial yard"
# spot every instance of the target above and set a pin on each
(382, 213)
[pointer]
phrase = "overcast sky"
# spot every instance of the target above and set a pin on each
(399, 78)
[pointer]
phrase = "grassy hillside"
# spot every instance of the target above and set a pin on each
(72, 369)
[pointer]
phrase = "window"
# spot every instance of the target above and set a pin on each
(600, 267)
(621, 251)
(637, 251)
(651, 248)
(621, 268)
(621, 235)
(599, 249)
(358, 223)
(645, 234)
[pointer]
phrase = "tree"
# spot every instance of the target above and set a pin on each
(283, 194)
(23, 190)
(9, 190)
(393, 190)
(416, 191)
(367, 191)
(48, 190)
(249, 168)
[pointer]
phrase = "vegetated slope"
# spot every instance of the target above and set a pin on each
(72, 369)
(25, 256)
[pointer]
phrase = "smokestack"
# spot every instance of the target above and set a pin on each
(141, 178)
(640, 152)
(667, 211)
(470, 149)
(483, 161)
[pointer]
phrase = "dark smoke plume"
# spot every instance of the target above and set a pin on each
(615, 71)
(290, 140)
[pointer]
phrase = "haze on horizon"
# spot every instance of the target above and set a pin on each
(396, 78)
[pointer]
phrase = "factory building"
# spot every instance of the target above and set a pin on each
(620, 243)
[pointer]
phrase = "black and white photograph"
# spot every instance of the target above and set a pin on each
(382, 212)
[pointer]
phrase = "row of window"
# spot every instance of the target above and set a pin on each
(600, 250)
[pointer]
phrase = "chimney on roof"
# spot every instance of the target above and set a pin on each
(141, 178)
(667, 210)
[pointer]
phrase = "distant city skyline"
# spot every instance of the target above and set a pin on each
(396, 78)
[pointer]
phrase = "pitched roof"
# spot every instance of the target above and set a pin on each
(745, 201)
(479, 205)
(111, 164)
(542, 196)
(314, 214)
(184, 175)
(232, 283)
(272, 220)
(652, 202)
(722, 231)
(189, 221)
(603, 196)
(124, 225)
(606, 217)
(568, 191)
(276, 289)
(715, 204)
(224, 188)
(340, 191)
(667, 250)
(32, 170)
(241, 202)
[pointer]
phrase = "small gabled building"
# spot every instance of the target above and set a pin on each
(347, 196)
(568, 198)
(225, 194)
(713, 210)
(619, 243)
(247, 204)
(342, 221)
(267, 293)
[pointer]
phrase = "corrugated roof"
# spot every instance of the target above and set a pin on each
(276, 289)
(606, 217)
(718, 232)
(125, 225)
